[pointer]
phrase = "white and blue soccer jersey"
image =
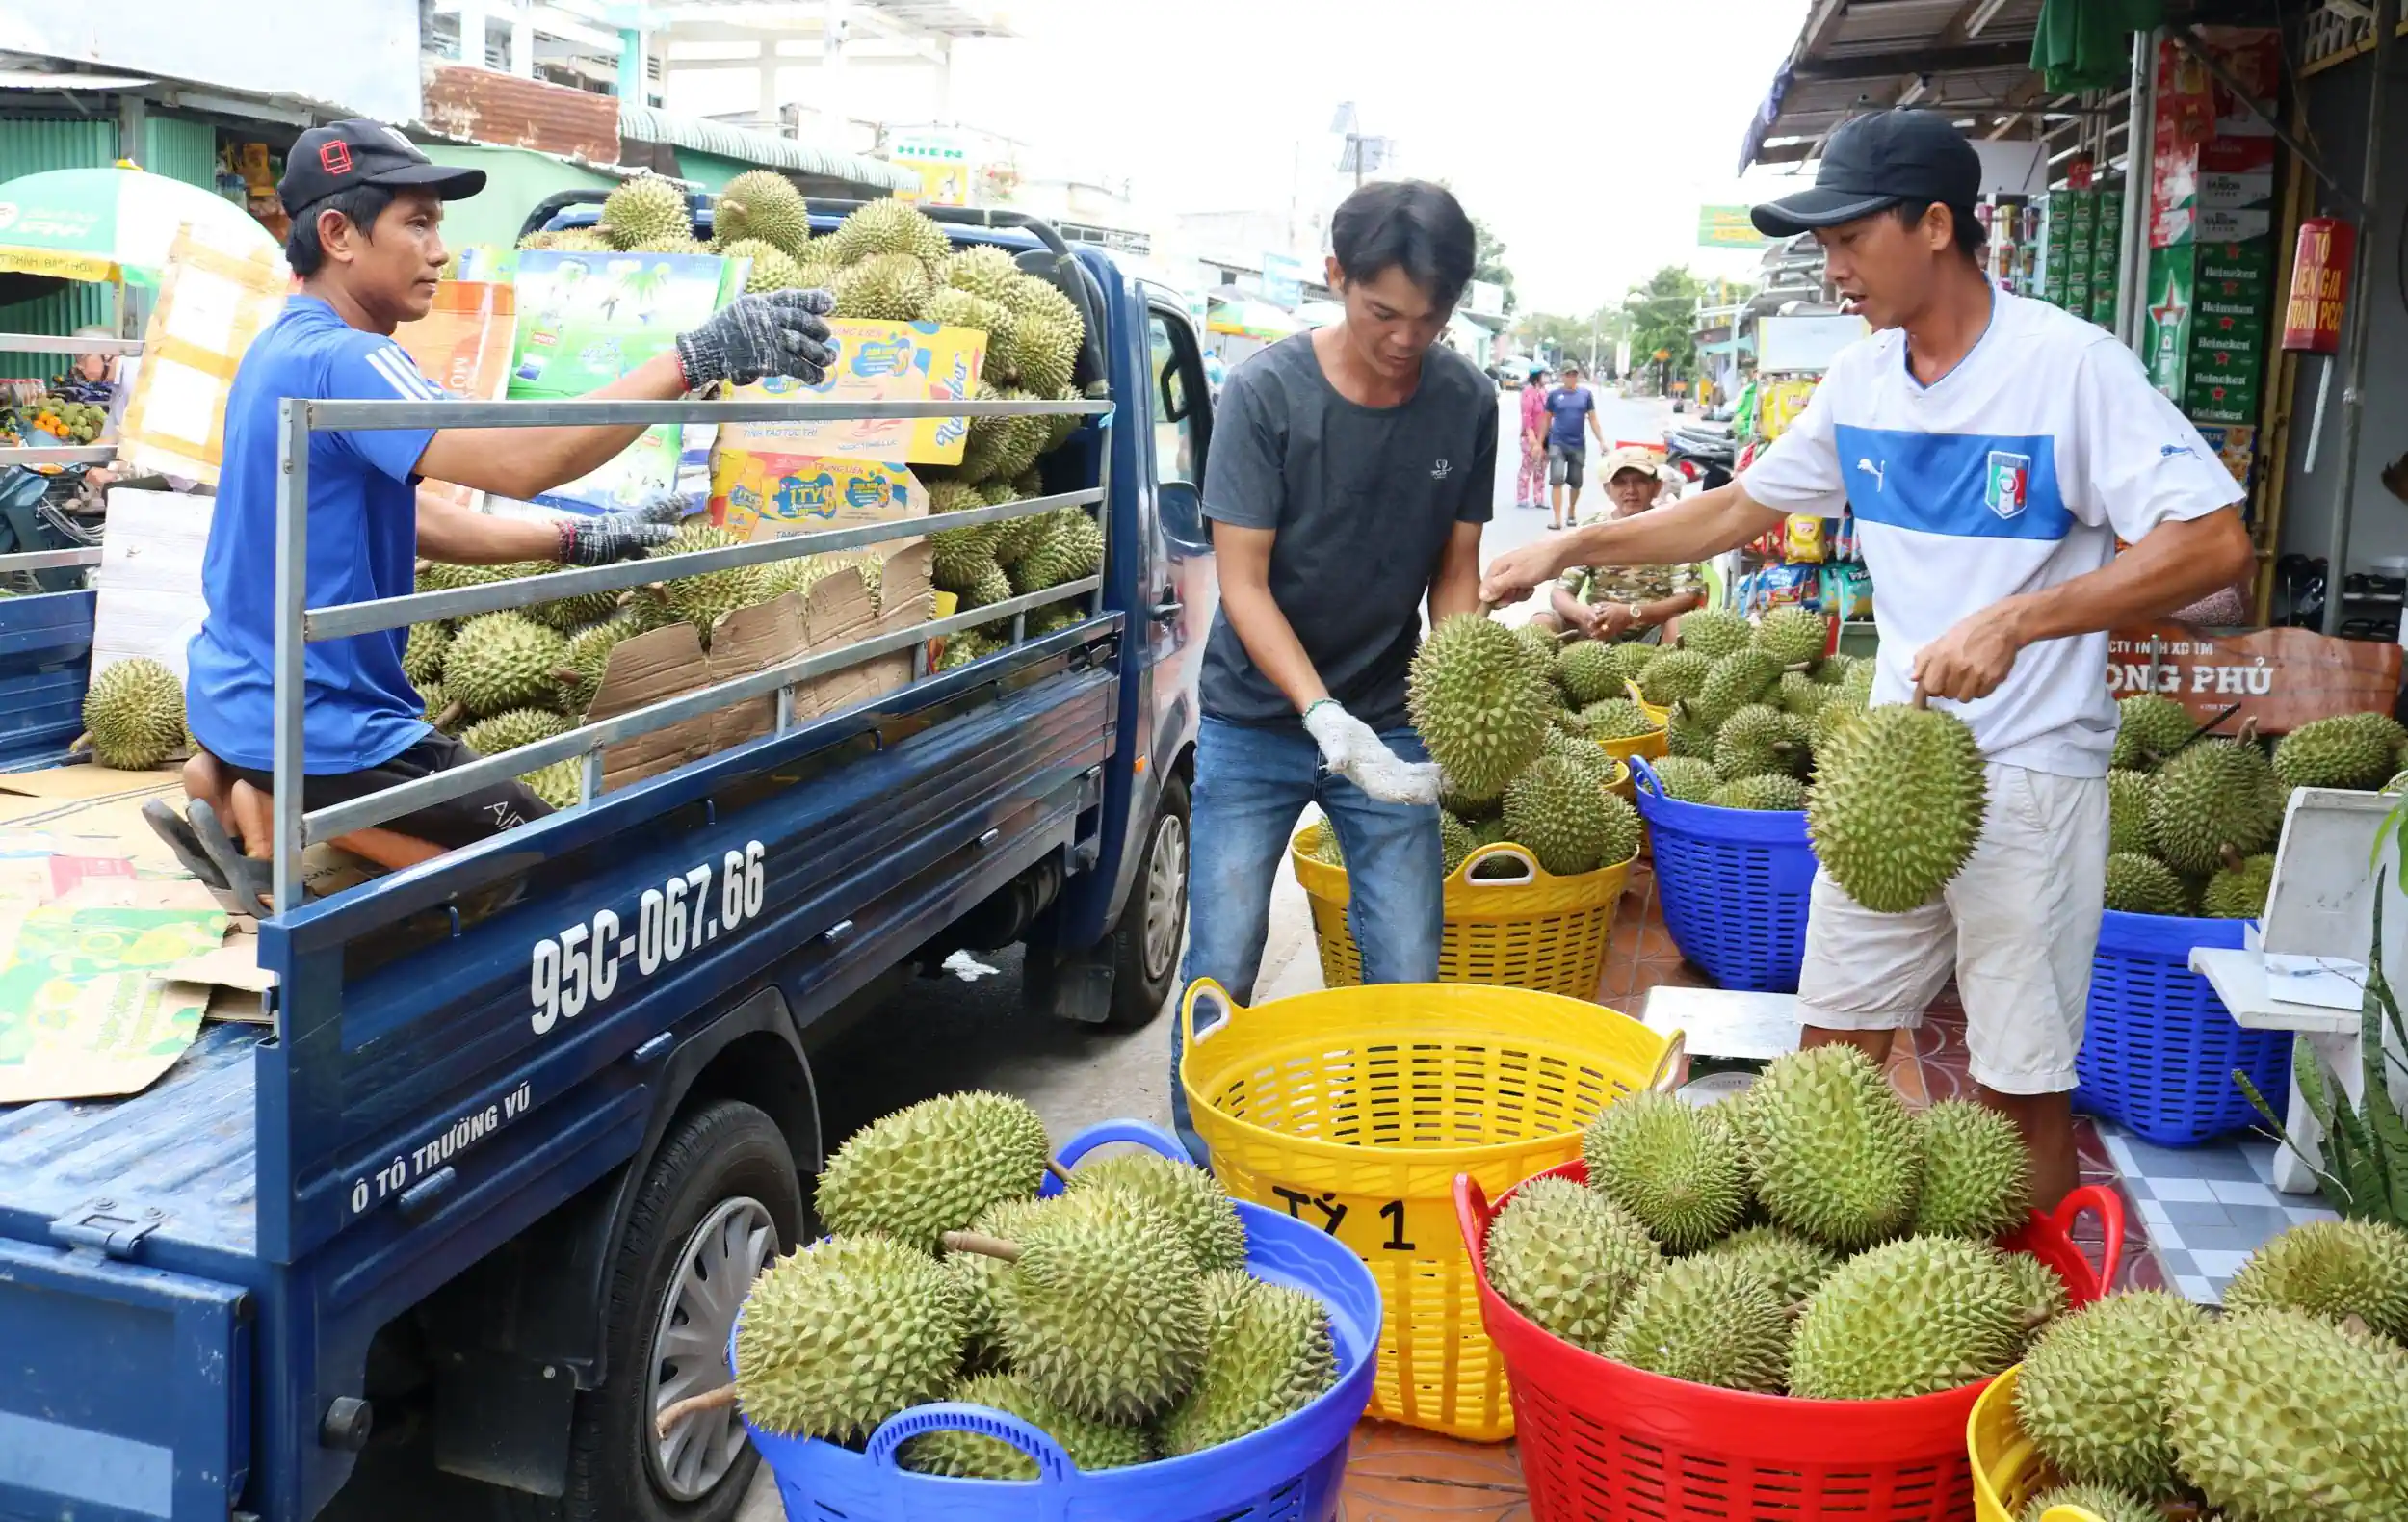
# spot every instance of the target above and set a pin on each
(2013, 472)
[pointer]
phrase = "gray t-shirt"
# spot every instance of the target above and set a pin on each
(1363, 499)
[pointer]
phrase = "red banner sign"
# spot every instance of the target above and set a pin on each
(2280, 678)
(2320, 278)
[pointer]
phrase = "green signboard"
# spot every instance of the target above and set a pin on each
(1727, 227)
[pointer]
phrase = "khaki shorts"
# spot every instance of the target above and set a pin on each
(2018, 927)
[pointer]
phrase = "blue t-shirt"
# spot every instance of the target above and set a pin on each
(363, 544)
(1569, 406)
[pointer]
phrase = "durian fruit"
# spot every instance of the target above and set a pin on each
(1840, 709)
(1584, 755)
(501, 661)
(2280, 1416)
(1832, 1151)
(1794, 637)
(1977, 1173)
(134, 715)
(1046, 333)
(702, 600)
(841, 1335)
(557, 783)
(1898, 804)
(579, 240)
(2038, 1289)
(934, 1167)
(2238, 890)
(958, 555)
(422, 654)
(568, 614)
(2128, 812)
(1758, 740)
(1553, 809)
(979, 1277)
(761, 205)
(1738, 679)
(1794, 1266)
(1859, 681)
(512, 728)
(884, 227)
(980, 269)
(1479, 703)
(1715, 633)
(1268, 1356)
(1321, 844)
(641, 210)
(1658, 1157)
(1569, 1259)
(444, 576)
(1800, 695)
(1585, 672)
(770, 270)
(1688, 779)
(1617, 719)
(2214, 794)
(1102, 1310)
(1631, 660)
(885, 287)
(2103, 1502)
(1907, 1318)
(1008, 445)
(1833, 669)
(1070, 551)
(2352, 750)
(433, 702)
(1673, 675)
(2333, 1268)
(950, 307)
(535, 241)
(1769, 792)
(671, 243)
(973, 1455)
(2092, 1394)
(1192, 1199)
(1710, 1320)
(588, 656)
(2138, 884)
(1456, 842)
(2149, 728)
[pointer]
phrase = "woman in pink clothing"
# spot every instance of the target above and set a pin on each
(1529, 490)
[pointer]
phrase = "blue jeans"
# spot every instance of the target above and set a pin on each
(1251, 784)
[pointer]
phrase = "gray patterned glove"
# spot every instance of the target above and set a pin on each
(621, 535)
(767, 333)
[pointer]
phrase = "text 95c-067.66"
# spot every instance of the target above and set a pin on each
(579, 968)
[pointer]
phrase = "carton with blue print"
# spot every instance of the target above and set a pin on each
(875, 361)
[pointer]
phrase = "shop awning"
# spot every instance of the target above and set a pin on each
(1246, 319)
(645, 124)
(1970, 58)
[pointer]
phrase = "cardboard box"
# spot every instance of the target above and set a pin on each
(465, 345)
(799, 493)
(213, 301)
(875, 362)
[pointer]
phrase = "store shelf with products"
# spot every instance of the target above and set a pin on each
(1810, 561)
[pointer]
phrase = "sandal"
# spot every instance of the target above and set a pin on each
(251, 883)
(172, 827)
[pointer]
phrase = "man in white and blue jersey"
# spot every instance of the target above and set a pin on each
(1994, 449)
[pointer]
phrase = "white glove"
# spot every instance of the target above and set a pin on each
(1353, 750)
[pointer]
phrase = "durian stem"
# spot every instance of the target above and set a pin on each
(979, 1243)
(452, 713)
(2248, 731)
(719, 1399)
(1062, 1174)
(2230, 855)
(1923, 699)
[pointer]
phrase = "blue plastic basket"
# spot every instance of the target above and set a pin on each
(1734, 884)
(2158, 1047)
(1291, 1471)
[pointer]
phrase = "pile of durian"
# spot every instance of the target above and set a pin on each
(2192, 821)
(1812, 1236)
(1117, 1316)
(889, 261)
(2291, 1404)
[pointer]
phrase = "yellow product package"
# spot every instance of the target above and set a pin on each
(797, 494)
(875, 361)
(1801, 540)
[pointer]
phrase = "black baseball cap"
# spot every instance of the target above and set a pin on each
(355, 153)
(1872, 162)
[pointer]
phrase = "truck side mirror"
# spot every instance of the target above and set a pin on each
(1181, 508)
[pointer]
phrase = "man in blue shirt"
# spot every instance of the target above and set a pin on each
(367, 208)
(1568, 406)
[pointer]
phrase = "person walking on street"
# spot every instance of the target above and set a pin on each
(1569, 406)
(1530, 487)
(1994, 449)
(1351, 470)
(1625, 602)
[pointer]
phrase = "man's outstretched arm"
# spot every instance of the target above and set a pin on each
(1693, 529)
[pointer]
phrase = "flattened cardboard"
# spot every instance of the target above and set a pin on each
(641, 671)
(746, 641)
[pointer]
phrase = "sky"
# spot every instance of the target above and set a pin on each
(1586, 133)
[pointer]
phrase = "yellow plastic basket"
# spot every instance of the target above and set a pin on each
(2008, 1471)
(1536, 930)
(1356, 1107)
(1654, 745)
(1661, 713)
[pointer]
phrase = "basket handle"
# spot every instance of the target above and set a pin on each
(1666, 1076)
(1472, 1216)
(2108, 1206)
(1105, 1133)
(1645, 775)
(1201, 992)
(1053, 1465)
(1631, 687)
(1498, 851)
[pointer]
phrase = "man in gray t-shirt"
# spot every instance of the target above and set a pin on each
(1349, 473)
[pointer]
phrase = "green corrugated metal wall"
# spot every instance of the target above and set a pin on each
(708, 169)
(28, 146)
(181, 150)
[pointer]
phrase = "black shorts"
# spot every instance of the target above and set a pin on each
(454, 822)
(1564, 463)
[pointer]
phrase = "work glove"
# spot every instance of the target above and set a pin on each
(621, 535)
(767, 334)
(1352, 749)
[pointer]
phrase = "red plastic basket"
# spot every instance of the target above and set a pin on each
(1603, 1442)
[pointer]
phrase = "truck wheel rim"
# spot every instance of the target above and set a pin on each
(1166, 897)
(713, 1270)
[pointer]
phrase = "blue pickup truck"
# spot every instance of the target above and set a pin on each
(486, 1195)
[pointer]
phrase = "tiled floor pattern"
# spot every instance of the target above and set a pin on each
(2192, 1216)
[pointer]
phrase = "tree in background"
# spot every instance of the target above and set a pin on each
(1661, 313)
(1489, 261)
(1590, 341)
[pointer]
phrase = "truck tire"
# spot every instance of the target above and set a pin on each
(719, 1200)
(1146, 942)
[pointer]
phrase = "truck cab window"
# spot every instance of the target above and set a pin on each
(1181, 429)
